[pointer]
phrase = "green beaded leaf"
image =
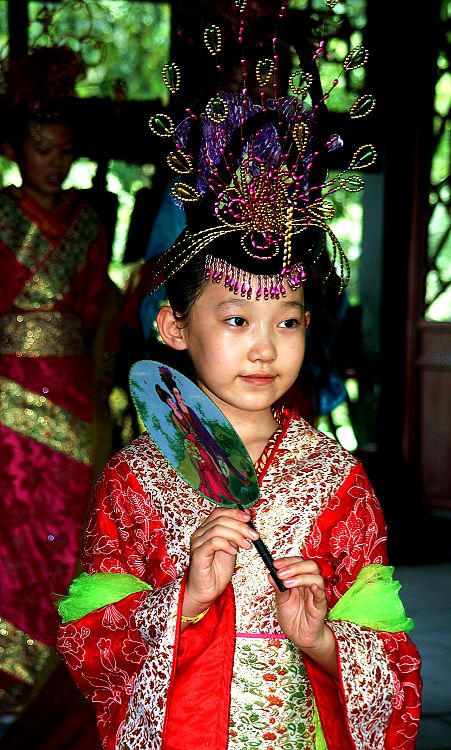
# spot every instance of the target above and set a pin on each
(353, 183)
(356, 58)
(185, 192)
(162, 125)
(263, 71)
(212, 39)
(362, 106)
(300, 81)
(180, 162)
(171, 77)
(217, 109)
(364, 157)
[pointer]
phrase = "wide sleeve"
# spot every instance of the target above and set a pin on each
(375, 703)
(104, 650)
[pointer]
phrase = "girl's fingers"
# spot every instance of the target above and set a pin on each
(221, 544)
(293, 566)
(220, 520)
(232, 533)
(307, 581)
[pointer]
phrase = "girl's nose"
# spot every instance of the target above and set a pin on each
(262, 348)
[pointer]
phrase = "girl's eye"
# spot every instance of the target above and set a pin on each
(290, 323)
(236, 321)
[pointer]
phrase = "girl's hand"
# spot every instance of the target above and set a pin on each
(214, 547)
(301, 610)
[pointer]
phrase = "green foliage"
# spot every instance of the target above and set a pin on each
(119, 40)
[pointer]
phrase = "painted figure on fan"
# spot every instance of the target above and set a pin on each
(54, 257)
(203, 435)
(176, 630)
(206, 474)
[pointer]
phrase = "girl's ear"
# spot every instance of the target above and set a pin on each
(169, 328)
(307, 318)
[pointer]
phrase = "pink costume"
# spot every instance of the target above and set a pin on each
(233, 680)
(54, 284)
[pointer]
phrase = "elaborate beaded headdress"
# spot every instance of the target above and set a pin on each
(250, 175)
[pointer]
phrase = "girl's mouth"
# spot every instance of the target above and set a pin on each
(258, 379)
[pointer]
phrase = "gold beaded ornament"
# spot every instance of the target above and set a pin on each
(246, 176)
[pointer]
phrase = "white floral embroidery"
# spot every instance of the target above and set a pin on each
(368, 683)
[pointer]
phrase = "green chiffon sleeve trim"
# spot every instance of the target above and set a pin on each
(373, 601)
(89, 592)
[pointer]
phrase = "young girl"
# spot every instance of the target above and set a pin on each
(177, 632)
(215, 656)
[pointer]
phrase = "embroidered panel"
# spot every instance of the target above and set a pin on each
(305, 471)
(21, 236)
(367, 682)
(272, 700)
(22, 656)
(178, 505)
(157, 620)
(51, 281)
(41, 334)
(37, 417)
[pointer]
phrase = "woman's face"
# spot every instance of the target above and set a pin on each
(44, 160)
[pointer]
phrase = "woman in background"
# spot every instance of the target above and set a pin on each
(54, 256)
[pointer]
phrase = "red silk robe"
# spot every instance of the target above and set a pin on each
(233, 680)
(53, 289)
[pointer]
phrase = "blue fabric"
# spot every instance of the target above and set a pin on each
(169, 223)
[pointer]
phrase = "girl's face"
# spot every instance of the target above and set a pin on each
(44, 164)
(246, 353)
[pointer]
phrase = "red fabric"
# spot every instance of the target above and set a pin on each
(45, 492)
(348, 534)
(199, 700)
(341, 550)
(98, 665)
(106, 668)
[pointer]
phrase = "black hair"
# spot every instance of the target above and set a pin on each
(15, 127)
(186, 286)
(162, 394)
